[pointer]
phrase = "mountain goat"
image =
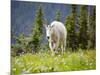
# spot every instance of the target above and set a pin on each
(56, 34)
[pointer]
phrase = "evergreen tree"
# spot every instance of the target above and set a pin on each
(74, 28)
(91, 27)
(94, 26)
(70, 25)
(20, 46)
(37, 30)
(83, 27)
(58, 15)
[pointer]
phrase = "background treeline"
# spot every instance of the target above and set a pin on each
(80, 25)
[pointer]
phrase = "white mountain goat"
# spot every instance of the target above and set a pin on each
(56, 34)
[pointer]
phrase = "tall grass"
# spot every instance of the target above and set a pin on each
(44, 62)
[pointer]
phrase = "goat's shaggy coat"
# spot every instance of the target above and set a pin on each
(57, 36)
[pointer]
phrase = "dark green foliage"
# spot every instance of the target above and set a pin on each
(83, 27)
(58, 15)
(20, 45)
(70, 23)
(37, 30)
(94, 27)
(91, 27)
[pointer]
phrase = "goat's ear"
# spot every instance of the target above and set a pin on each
(51, 26)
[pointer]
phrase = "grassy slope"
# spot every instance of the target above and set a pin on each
(44, 62)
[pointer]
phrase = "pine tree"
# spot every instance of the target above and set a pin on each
(37, 30)
(91, 27)
(70, 25)
(20, 46)
(74, 27)
(58, 15)
(94, 26)
(83, 27)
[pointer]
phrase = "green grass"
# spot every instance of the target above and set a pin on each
(44, 62)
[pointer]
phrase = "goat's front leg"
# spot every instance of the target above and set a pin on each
(56, 46)
(51, 48)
